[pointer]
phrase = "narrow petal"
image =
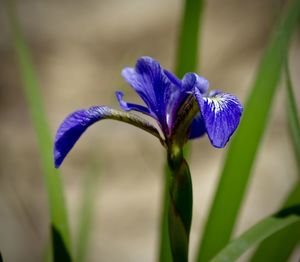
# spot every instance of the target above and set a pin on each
(76, 124)
(197, 128)
(221, 113)
(129, 106)
(193, 81)
(174, 79)
(131, 76)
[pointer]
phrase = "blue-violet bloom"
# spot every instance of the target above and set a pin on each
(169, 101)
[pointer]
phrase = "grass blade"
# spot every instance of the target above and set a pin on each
(57, 209)
(188, 42)
(242, 150)
(59, 248)
(267, 227)
(86, 213)
(293, 116)
(187, 58)
(272, 249)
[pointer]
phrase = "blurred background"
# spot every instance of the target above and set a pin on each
(79, 49)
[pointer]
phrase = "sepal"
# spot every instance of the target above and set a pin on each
(76, 124)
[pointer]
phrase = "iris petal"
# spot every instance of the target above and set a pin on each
(191, 81)
(73, 127)
(197, 128)
(129, 106)
(152, 85)
(221, 113)
(133, 78)
(76, 124)
(174, 79)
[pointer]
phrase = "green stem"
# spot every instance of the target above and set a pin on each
(164, 247)
(180, 205)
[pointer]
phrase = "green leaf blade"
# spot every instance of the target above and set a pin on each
(242, 151)
(272, 248)
(88, 203)
(57, 209)
(188, 41)
(260, 231)
(293, 115)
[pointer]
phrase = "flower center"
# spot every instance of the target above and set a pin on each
(184, 118)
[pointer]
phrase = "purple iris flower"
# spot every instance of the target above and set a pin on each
(169, 101)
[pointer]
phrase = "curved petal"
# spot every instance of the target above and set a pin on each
(152, 85)
(76, 124)
(174, 79)
(130, 75)
(221, 113)
(174, 104)
(129, 106)
(72, 128)
(197, 128)
(193, 81)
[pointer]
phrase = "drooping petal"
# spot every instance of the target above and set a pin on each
(197, 128)
(72, 128)
(221, 113)
(152, 85)
(76, 124)
(129, 106)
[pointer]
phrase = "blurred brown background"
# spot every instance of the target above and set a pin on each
(79, 49)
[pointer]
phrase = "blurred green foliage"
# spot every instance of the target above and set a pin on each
(52, 177)
(272, 248)
(260, 231)
(244, 146)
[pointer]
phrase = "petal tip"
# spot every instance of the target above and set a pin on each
(193, 81)
(72, 128)
(57, 159)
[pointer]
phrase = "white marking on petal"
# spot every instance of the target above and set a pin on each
(221, 113)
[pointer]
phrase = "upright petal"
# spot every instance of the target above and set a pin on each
(76, 123)
(193, 81)
(221, 113)
(174, 79)
(152, 85)
(131, 76)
